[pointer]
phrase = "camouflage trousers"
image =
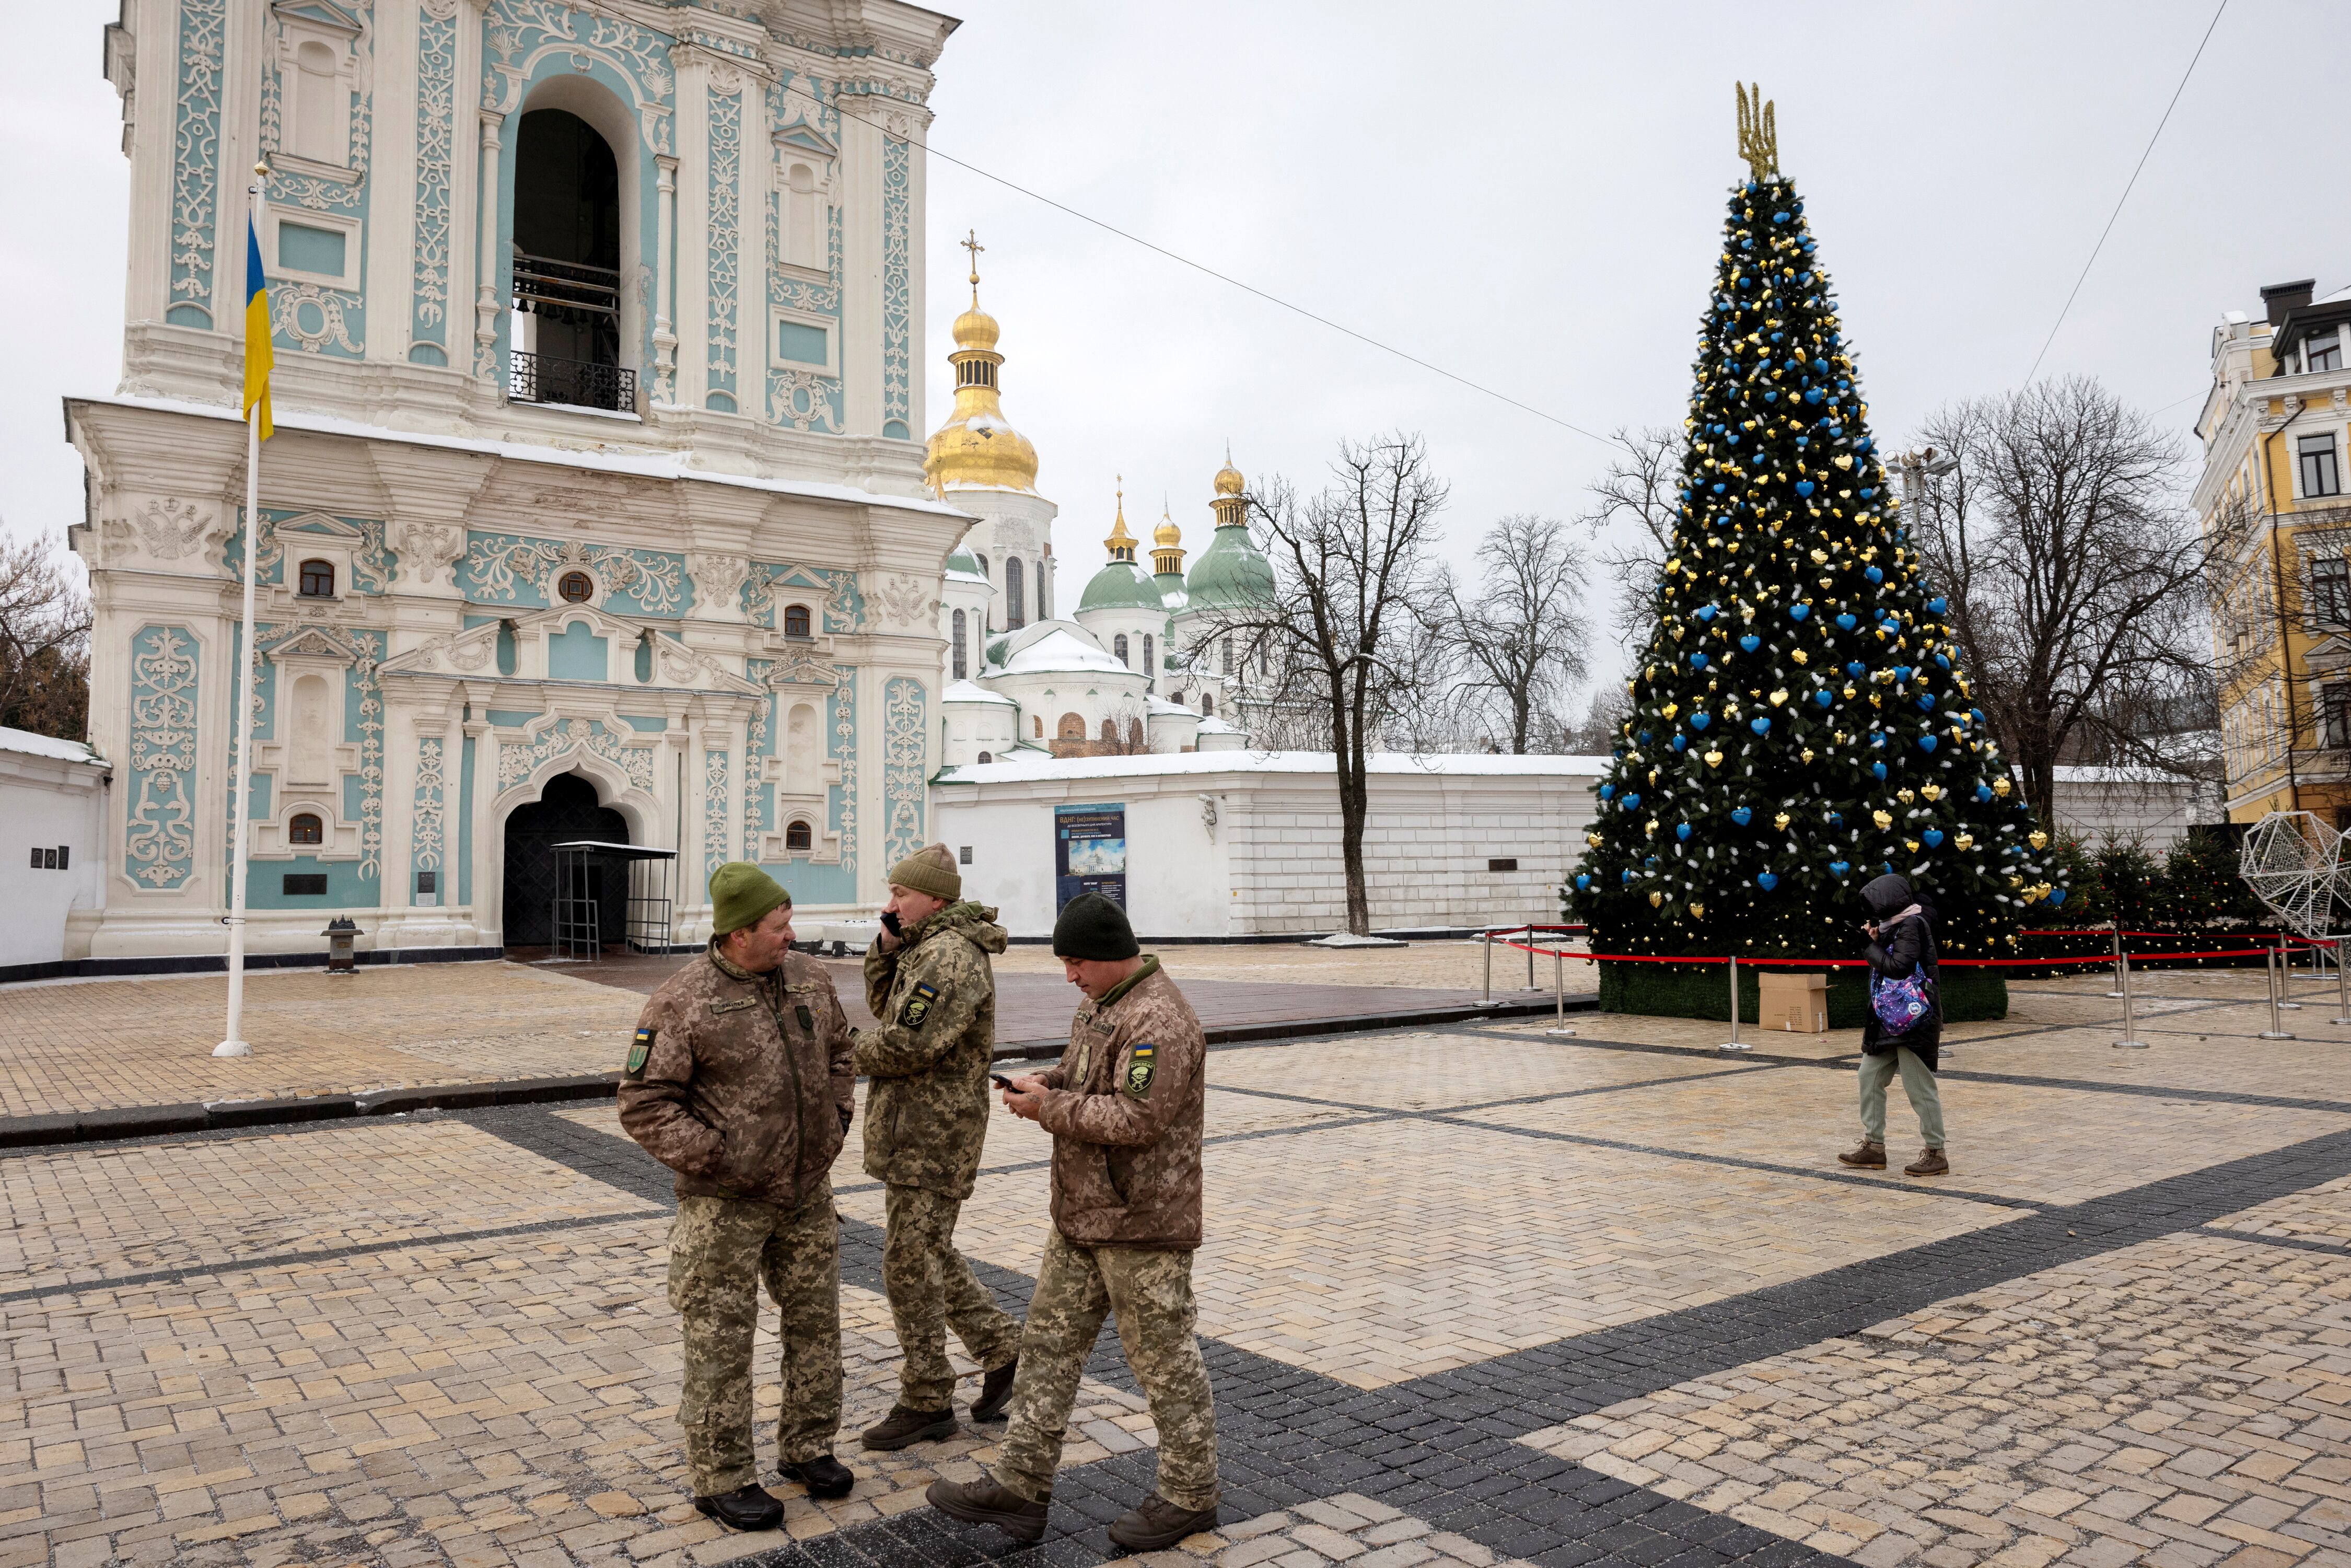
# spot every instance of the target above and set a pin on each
(720, 1249)
(932, 1289)
(1150, 1295)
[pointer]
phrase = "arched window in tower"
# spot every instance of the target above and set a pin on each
(1110, 731)
(795, 621)
(1045, 585)
(804, 218)
(1207, 705)
(962, 659)
(303, 827)
(1135, 736)
(318, 580)
(321, 131)
(1146, 654)
(567, 266)
(1016, 612)
(1228, 658)
(798, 839)
(1118, 646)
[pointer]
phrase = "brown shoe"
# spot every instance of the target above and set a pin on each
(1155, 1524)
(1931, 1162)
(1869, 1157)
(985, 1501)
(995, 1392)
(905, 1427)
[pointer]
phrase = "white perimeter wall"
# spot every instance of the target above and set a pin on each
(46, 803)
(1272, 863)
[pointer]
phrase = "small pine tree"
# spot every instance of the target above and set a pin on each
(1800, 722)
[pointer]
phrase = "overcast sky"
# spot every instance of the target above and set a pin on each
(1528, 195)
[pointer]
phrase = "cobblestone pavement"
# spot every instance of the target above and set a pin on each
(1472, 1296)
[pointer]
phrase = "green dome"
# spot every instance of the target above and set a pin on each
(1231, 571)
(963, 560)
(1121, 585)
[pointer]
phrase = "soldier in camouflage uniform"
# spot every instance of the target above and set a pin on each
(928, 979)
(1125, 1108)
(740, 1081)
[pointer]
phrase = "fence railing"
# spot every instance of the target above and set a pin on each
(544, 378)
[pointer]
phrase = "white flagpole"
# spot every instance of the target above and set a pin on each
(241, 811)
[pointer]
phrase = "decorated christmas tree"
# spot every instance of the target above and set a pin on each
(1800, 723)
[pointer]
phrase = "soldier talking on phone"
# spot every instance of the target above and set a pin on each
(928, 979)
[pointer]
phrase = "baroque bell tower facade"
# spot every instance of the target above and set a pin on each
(597, 501)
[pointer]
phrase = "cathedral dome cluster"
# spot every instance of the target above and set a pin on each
(1142, 662)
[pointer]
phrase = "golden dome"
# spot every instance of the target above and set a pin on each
(1121, 544)
(1228, 478)
(977, 447)
(1167, 536)
(975, 329)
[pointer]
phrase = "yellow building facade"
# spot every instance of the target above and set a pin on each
(2276, 436)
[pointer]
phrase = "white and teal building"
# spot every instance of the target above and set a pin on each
(597, 506)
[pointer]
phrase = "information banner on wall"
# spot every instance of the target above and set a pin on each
(1089, 853)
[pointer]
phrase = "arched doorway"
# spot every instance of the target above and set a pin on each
(568, 808)
(567, 263)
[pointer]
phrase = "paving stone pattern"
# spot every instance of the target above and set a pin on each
(1459, 1309)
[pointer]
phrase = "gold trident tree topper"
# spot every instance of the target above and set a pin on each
(1759, 131)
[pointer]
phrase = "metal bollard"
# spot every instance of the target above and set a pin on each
(1559, 986)
(2285, 976)
(1732, 1043)
(1486, 938)
(2123, 986)
(2270, 968)
(1530, 957)
(2129, 1040)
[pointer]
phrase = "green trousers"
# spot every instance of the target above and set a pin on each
(1151, 1294)
(932, 1289)
(1918, 1084)
(720, 1250)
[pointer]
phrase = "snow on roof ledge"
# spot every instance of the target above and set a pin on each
(1018, 769)
(967, 692)
(48, 746)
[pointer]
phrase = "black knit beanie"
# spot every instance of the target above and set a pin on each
(1093, 926)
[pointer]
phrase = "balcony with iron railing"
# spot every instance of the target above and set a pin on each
(577, 306)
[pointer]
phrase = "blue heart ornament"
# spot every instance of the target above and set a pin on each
(1877, 769)
(1743, 815)
(1700, 720)
(1798, 611)
(1925, 743)
(1933, 837)
(1762, 727)
(1840, 867)
(2056, 896)
(1683, 832)
(1846, 623)
(1698, 661)
(1766, 880)
(1804, 486)
(1823, 697)
(1749, 643)
(1936, 606)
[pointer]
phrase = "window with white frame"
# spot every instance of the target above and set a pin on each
(2322, 350)
(2330, 592)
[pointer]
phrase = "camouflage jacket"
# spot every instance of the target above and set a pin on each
(741, 1083)
(1124, 1112)
(926, 1114)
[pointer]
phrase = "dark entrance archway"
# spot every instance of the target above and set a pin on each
(568, 808)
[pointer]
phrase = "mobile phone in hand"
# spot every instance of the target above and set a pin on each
(890, 923)
(1002, 1082)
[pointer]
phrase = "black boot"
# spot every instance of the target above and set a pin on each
(1155, 1523)
(751, 1507)
(905, 1427)
(994, 1393)
(825, 1475)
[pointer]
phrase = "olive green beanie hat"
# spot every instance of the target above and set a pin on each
(741, 895)
(1093, 926)
(932, 869)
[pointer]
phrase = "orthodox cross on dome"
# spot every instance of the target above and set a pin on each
(970, 242)
(1758, 131)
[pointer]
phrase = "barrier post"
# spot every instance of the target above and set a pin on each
(2130, 1041)
(1531, 955)
(2342, 985)
(1732, 1043)
(1558, 984)
(2270, 968)
(2123, 985)
(1486, 938)
(2285, 976)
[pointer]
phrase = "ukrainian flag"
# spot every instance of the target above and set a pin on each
(256, 331)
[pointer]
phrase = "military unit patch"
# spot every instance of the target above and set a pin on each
(1140, 1067)
(918, 1005)
(640, 1049)
(808, 1019)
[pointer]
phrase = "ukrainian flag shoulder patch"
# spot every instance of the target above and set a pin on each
(640, 1050)
(918, 1004)
(1142, 1066)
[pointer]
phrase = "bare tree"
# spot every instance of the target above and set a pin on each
(1352, 595)
(44, 642)
(1601, 729)
(2074, 576)
(1634, 504)
(1519, 639)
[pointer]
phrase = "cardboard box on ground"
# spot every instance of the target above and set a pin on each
(1797, 1004)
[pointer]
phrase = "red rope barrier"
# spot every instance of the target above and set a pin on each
(1862, 963)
